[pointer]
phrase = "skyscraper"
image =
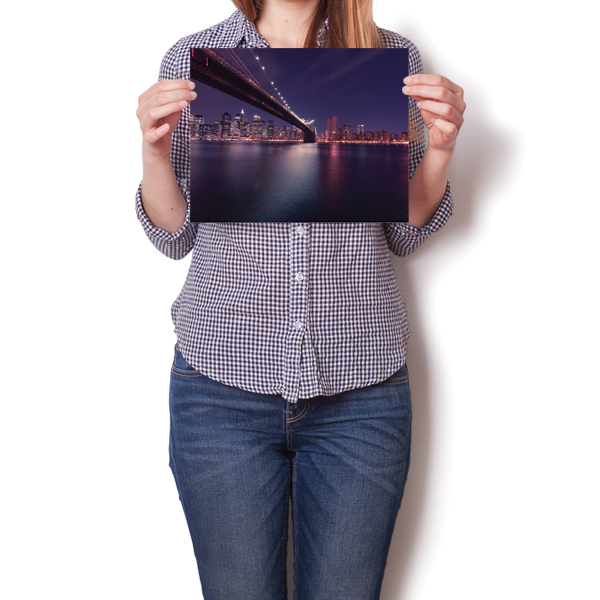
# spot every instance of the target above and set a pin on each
(257, 127)
(236, 126)
(226, 127)
(332, 127)
(195, 122)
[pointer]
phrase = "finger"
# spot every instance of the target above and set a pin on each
(163, 98)
(450, 129)
(165, 85)
(420, 99)
(172, 96)
(441, 94)
(435, 80)
(148, 121)
(152, 136)
(443, 110)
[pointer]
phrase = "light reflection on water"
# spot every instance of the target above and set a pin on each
(283, 181)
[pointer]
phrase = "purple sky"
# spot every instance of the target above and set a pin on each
(357, 85)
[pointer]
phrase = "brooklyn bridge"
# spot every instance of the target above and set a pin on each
(209, 67)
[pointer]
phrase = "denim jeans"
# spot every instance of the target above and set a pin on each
(237, 456)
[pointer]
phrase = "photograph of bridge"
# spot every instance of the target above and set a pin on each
(299, 135)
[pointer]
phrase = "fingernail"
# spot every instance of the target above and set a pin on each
(183, 103)
(419, 104)
(194, 94)
(407, 80)
(406, 89)
(191, 85)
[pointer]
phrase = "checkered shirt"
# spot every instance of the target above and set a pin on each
(295, 309)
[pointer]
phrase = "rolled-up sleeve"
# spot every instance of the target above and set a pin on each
(403, 238)
(175, 65)
(174, 245)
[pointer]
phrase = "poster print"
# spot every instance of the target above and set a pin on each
(299, 135)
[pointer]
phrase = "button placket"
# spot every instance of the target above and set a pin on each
(298, 302)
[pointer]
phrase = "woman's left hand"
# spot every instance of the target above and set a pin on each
(442, 108)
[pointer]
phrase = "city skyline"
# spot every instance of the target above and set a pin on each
(353, 85)
(243, 125)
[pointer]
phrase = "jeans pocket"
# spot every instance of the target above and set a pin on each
(182, 367)
(398, 383)
(397, 378)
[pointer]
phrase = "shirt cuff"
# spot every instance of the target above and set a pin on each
(404, 238)
(156, 233)
(439, 218)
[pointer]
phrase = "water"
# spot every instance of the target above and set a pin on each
(288, 181)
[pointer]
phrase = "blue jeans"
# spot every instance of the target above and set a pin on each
(237, 457)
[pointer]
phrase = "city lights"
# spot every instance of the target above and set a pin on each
(272, 83)
(238, 128)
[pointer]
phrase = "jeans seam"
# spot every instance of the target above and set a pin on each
(304, 411)
(286, 532)
(186, 373)
(394, 381)
(295, 527)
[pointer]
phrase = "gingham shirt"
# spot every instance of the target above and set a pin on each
(297, 309)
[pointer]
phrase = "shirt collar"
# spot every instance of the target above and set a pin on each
(247, 36)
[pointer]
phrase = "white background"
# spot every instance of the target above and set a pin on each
(502, 497)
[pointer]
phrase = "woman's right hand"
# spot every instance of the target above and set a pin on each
(159, 110)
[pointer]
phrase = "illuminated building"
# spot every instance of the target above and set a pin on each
(226, 126)
(332, 127)
(195, 122)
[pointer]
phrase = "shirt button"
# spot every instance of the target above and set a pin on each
(298, 324)
(299, 276)
(299, 230)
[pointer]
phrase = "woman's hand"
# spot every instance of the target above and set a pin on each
(442, 108)
(159, 110)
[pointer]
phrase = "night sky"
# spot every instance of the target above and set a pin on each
(357, 85)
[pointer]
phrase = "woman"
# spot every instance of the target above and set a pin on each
(289, 376)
